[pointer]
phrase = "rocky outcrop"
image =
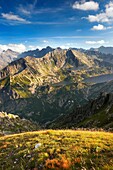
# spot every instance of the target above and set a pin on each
(10, 123)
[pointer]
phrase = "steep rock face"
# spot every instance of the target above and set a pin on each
(83, 59)
(14, 68)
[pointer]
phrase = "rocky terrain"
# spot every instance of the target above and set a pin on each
(10, 123)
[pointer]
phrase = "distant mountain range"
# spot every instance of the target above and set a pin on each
(103, 50)
(36, 53)
(8, 56)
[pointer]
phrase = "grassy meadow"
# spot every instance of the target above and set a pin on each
(57, 150)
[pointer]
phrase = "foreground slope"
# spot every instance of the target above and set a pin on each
(57, 150)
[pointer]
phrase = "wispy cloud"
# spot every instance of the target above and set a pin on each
(47, 23)
(86, 6)
(106, 16)
(74, 37)
(28, 9)
(100, 42)
(15, 18)
(62, 37)
(24, 10)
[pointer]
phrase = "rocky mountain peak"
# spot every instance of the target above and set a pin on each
(49, 48)
(7, 57)
(36, 53)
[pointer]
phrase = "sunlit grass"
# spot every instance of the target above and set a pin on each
(61, 149)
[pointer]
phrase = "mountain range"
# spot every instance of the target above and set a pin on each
(103, 50)
(8, 56)
(43, 85)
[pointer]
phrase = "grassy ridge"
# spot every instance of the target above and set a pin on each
(57, 150)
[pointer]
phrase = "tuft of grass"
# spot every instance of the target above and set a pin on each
(58, 150)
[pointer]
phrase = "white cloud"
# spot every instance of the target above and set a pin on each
(83, 5)
(15, 47)
(68, 45)
(45, 41)
(99, 27)
(100, 42)
(13, 17)
(34, 47)
(106, 16)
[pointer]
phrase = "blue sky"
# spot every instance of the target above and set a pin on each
(30, 24)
